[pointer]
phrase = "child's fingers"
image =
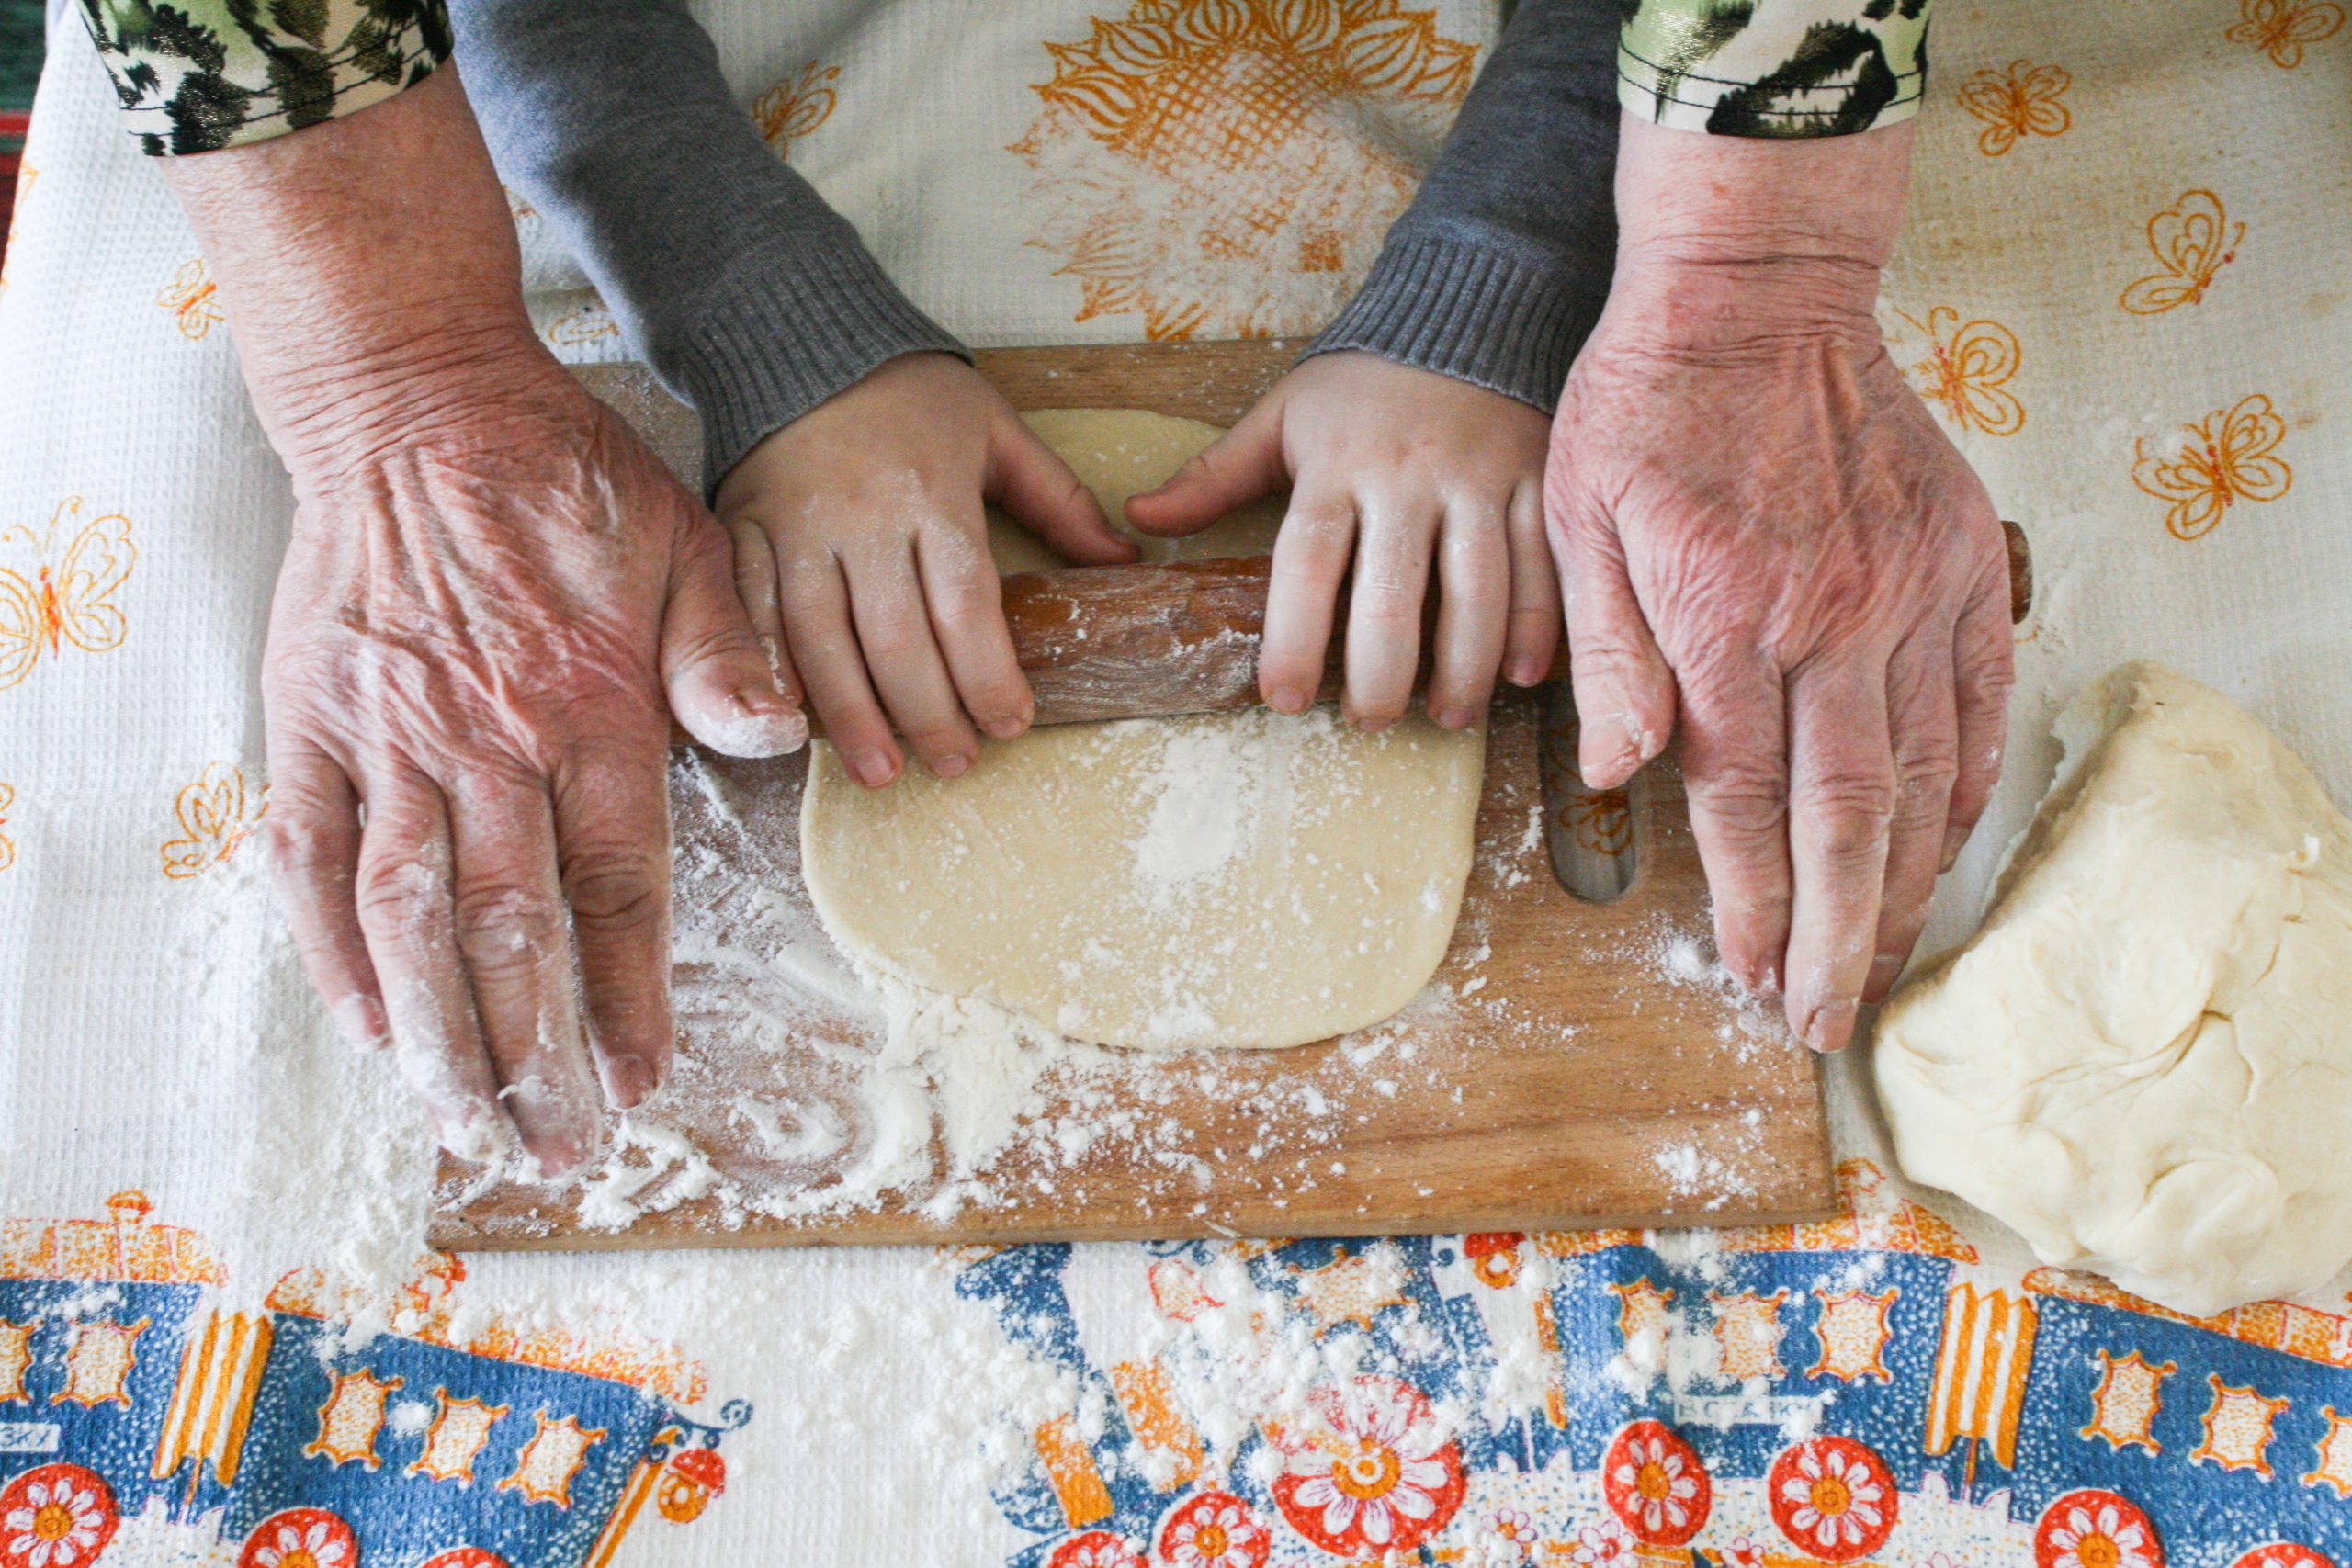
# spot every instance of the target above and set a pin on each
(902, 658)
(755, 584)
(1392, 577)
(824, 646)
(1243, 464)
(966, 600)
(1029, 480)
(1532, 639)
(1474, 610)
(1310, 557)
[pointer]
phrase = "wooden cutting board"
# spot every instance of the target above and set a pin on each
(1580, 1067)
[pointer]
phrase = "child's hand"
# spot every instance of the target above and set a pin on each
(1401, 471)
(861, 548)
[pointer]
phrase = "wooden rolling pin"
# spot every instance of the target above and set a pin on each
(1104, 642)
(1150, 641)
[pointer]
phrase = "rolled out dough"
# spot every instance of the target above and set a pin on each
(2144, 1060)
(1239, 879)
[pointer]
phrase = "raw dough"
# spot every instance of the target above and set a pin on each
(1242, 879)
(2144, 1060)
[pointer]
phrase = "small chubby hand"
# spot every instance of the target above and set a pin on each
(861, 553)
(1402, 475)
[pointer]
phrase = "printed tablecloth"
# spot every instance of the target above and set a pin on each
(2124, 286)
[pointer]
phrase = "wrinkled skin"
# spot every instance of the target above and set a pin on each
(1418, 482)
(1766, 540)
(491, 588)
(492, 690)
(861, 545)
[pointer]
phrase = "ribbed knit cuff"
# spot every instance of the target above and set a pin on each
(1473, 311)
(772, 343)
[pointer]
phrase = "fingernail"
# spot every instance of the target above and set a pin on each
(361, 1023)
(1831, 1027)
(871, 766)
(1955, 838)
(1525, 674)
(1455, 717)
(1287, 699)
(1884, 970)
(763, 698)
(1006, 729)
(629, 1081)
(952, 765)
(473, 1139)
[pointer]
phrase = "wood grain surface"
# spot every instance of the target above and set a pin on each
(1581, 1070)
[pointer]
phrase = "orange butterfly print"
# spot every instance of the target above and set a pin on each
(790, 110)
(7, 849)
(2014, 104)
(2193, 240)
(193, 299)
(1602, 820)
(1967, 369)
(2225, 457)
(2282, 28)
(215, 820)
(68, 597)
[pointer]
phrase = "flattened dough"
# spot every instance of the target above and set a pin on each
(1243, 879)
(2143, 1059)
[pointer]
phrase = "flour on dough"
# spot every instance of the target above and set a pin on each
(2144, 1060)
(1237, 879)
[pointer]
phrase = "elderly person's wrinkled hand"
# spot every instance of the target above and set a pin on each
(491, 589)
(1767, 542)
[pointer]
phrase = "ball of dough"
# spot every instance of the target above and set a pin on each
(2142, 1061)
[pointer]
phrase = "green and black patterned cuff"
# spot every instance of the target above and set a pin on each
(203, 74)
(1773, 67)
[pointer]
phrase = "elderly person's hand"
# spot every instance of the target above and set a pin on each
(491, 587)
(1765, 538)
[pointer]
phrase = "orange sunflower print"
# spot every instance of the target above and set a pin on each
(1227, 168)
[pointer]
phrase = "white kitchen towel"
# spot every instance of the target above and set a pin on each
(2123, 282)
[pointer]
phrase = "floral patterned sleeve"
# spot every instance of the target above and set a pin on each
(1772, 67)
(198, 75)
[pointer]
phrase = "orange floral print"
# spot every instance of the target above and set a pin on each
(1602, 820)
(1967, 369)
(62, 598)
(2193, 240)
(2016, 103)
(2225, 457)
(2282, 28)
(579, 328)
(790, 110)
(1196, 158)
(215, 820)
(193, 299)
(7, 847)
(25, 175)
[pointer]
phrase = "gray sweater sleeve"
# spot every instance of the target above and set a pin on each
(1497, 271)
(753, 299)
